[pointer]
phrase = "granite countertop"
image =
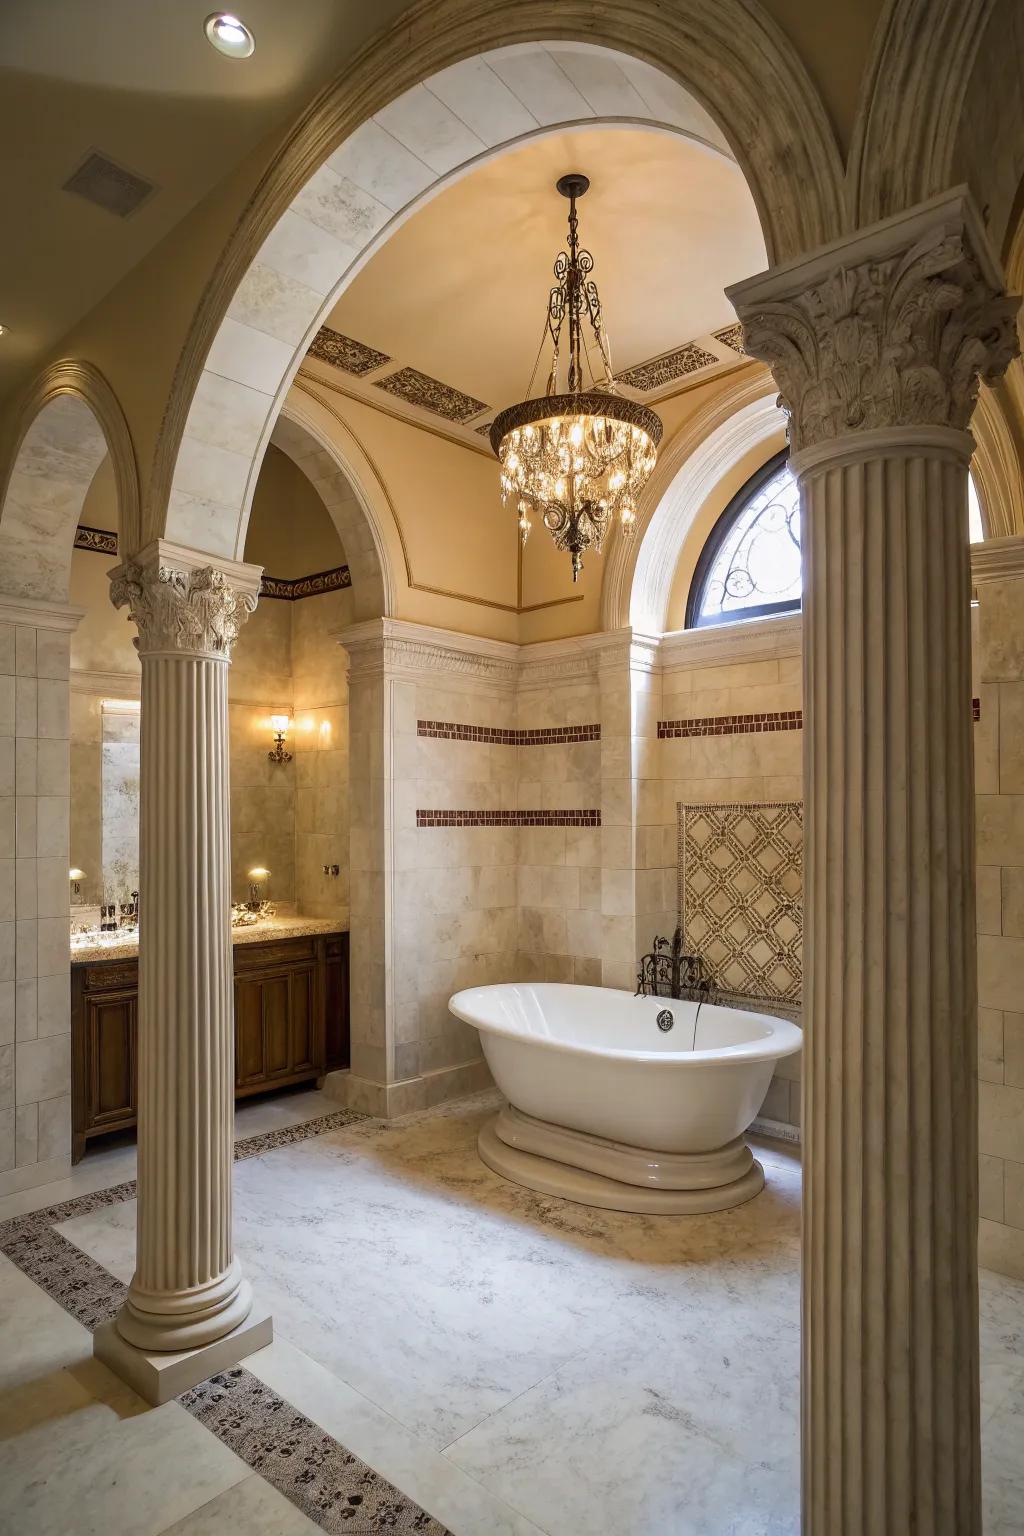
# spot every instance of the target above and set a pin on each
(117, 946)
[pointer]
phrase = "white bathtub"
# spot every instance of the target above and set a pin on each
(607, 1108)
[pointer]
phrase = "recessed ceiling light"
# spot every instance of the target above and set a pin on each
(3, 330)
(229, 35)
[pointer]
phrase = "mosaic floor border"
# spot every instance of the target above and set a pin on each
(313, 1470)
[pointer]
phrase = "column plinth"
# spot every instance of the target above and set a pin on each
(188, 1291)
(877, 347)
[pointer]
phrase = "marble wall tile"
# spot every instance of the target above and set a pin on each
(26, 1131)
(990, 1045)
(7, 705)
(26, 1009)
(43, 1069)
(1013, 1047)
(1000, 971)
(1001, 1120)
(8, 770)
(7, 1124)
(7, 1012)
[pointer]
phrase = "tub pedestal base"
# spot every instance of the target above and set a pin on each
(592, 1171)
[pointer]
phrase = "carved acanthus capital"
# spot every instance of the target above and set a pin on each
(875, 337)
(194, 610)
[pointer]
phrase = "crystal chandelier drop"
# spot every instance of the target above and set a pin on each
(578, 458)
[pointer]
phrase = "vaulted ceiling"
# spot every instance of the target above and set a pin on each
(457, 295)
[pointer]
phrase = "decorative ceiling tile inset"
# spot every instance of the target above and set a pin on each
(431, 395)
(100, 540)
(658, 371)
(732, 336)
(741, 896)
(343, 352)
(485, 429)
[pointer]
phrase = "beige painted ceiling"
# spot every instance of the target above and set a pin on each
(459, 291)
(137, 80)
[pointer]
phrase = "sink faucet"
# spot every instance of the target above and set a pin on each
(668, 972)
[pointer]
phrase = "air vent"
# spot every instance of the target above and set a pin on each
(99, 180)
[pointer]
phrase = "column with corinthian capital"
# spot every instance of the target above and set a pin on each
(877, 345)
(189, 1311)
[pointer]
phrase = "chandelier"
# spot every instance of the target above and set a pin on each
(577, 458)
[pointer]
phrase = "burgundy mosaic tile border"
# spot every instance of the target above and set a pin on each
(747, 725)
(588, 818)
(732, 725)
(546, 736)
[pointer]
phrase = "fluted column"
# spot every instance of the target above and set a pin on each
(877, 346)
(188, 1291)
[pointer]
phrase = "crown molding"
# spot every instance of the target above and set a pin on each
(997, 560)
(32, 611)
(117, 685)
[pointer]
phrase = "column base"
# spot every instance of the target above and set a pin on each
(159, 1377)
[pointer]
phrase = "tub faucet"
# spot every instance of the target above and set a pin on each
(668, 972)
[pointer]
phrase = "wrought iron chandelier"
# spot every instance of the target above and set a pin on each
(577, 457)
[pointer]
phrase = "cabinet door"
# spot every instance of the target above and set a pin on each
(110, 1025)
(275, 993)
(302, 1041)
(249, 1055)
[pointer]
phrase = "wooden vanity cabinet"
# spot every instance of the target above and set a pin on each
(291, 1026)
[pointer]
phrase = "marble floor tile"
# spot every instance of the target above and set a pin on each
(251, 1508)
(106, 1165)
(655, 1434)
(79, 1452)
(412, 1464)
(517, 1364)
(38, 1336)
(1002, 1454)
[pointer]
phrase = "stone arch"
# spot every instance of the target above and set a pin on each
(344, 177)
(996, 465)
(912, 104)
(640, 572)
(357, 503)
(69, 421)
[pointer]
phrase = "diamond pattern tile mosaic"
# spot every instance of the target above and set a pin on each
(741, 896)
(431, 395)
(672, 365)
(343, 352)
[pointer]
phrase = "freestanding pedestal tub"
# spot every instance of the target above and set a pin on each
(630, 1103)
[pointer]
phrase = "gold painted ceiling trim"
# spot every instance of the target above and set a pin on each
(304, 382)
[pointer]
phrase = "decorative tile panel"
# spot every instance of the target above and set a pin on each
(100, 541)
(658, 371)
(429, 394)
(741, 896)
(291, 589)
(345, 353)
(732, 336)
(548, 736)
(588, 818)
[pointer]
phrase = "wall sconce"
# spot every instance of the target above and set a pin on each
(256, 893)
(76, 876)
(279, 725)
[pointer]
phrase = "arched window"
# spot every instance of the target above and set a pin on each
(750, 566)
